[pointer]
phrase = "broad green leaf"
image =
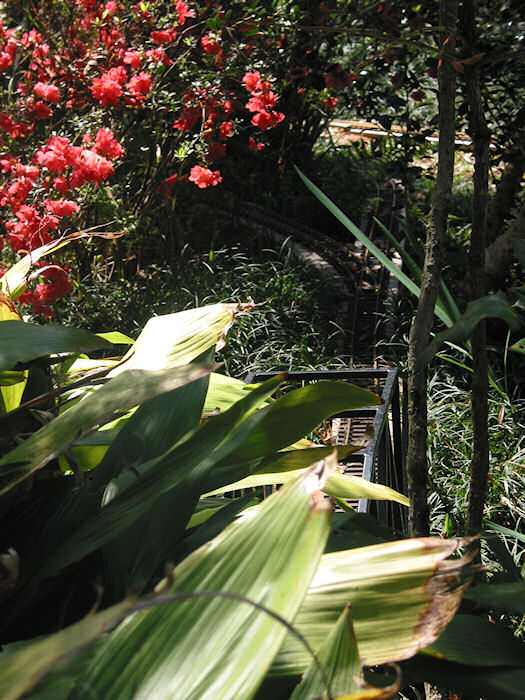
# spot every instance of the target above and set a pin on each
(283, 421)
(281, 464)
(403, 594)
(10, 377)
(338, 484)
(502, 597)
(224, 391)
(117, 338)
(15, 280)
(176, 339)
(371, 247)
(12, 384)
(487, 682)
(21, 666)
(217, 647)
(155, 426)
(492, 306)
(342, 676)
(213, 526)
(23, 342)
(489, 644)
(300, 411)
(133, 494)
(116, 395)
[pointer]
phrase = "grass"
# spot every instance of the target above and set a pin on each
(293, 326)
(449, 453)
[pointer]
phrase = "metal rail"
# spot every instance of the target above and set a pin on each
(383, 459)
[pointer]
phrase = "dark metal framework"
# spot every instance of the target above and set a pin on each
(383, 458)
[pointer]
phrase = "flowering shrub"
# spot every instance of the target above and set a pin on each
(133, 99)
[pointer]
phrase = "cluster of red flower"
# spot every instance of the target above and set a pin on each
(115, 59)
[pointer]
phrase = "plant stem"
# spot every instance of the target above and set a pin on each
(417, 471)
(475, 269)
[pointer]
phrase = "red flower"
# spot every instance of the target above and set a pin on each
(265, 120)
(47, 92)
(60, 184)
(183, 12)
(106, 145)
(264, 100)
(210, 45)
(133, 59)
(91, 167)
(139, 86)
(42, 110)
(204, 177)
(108, 88)
(187, 119)
(330, 103)
(163, 36)
(61, 207)
(253, 145)
(253, 81)
(225, 130)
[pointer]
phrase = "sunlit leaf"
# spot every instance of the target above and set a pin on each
(342, 676)
(23, 342)
(403, 594)
(214, 647)
(118, 394)
(15, 280)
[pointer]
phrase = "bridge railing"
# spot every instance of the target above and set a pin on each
(380, 428)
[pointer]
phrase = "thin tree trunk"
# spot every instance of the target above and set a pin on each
(417, 472)
(475, 269)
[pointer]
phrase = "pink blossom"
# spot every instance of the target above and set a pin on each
(204, 177)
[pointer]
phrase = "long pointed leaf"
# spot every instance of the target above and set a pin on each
(383, 259)
(118, 394)
(402, 594)
(218, 648)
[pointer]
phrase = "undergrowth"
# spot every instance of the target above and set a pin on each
(293, 325)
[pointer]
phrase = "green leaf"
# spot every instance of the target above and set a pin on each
(219, 647)
(492, 306)
(117, 338)
(504, 597)
(21, 666)
(403, 594)
(22, 342)
(519, 250)
(490, 683)
(445, 301)
(134, 494)
(15, 280)
(224, 391)
(176, 339)
(504, 530)
(118, 394)
(371, 247)
(157, 424)
(342, 676)
(300, 411)
(488, 644)
(338, 485)
(518, 346)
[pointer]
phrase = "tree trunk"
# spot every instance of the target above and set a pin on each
(417, 472)
(480, 135)
(500, 253)
(507, 188)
